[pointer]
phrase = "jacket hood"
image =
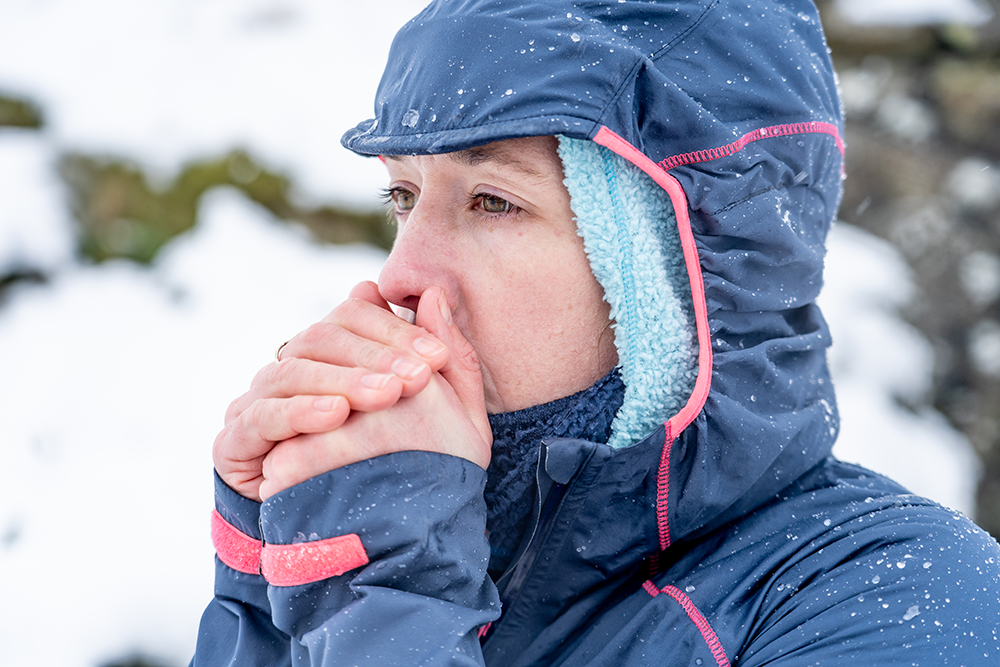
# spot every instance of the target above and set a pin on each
(731, 108)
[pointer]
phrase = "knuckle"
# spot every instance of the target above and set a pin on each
(347, 309)
(280, 374)
(250, 418)
(315, 335)
(376, 357)
(467, 357)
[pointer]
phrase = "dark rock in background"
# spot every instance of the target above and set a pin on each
(18, 112)
(122, 215)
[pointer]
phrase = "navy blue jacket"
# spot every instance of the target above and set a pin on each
(728, 536)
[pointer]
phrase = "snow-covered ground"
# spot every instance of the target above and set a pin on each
(115, 377)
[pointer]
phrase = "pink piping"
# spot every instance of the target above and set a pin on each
(678, 198)
(707, 633)
(699, 395)
(663, 489)
(658, 172)
(762, 133)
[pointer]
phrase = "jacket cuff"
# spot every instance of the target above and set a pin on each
(419, 518)
(236, 535)
(241, 513)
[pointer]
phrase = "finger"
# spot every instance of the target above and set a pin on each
(297, 459)
(360, 333)
(253, 433)
(364, 390)
(462, 370)
(368, 291)
(275, 419)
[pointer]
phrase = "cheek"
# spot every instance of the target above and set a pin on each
(542, 329)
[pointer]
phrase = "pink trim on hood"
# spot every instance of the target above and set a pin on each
(678, 198)
(762, 133)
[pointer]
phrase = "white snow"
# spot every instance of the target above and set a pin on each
(171, 80)
(35, 229)
(877, 358)
(115, 378)
(984, 347)
(980, 276)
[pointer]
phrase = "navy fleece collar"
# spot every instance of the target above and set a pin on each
(510, 485)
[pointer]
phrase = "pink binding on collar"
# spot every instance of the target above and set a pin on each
(286, 564)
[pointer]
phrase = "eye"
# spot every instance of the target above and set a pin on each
(493, 204)
(403, 199)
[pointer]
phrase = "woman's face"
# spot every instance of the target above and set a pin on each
(492, 225)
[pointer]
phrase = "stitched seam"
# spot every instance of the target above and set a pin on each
(625, 245)
(650, 588)
(508, 121)
(714, 645)
(663, 490)
(681, 37)
(812, 127)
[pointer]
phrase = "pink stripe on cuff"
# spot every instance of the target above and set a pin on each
(235, 548)
(306, 562)
(286, 564)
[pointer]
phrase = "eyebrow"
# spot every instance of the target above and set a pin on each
(478, 155)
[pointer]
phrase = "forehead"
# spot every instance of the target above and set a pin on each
(532, 157)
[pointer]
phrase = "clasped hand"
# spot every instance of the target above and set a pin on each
(361, 383)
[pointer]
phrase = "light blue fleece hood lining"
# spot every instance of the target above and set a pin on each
(630, 236)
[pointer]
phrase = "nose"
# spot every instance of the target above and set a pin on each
(419, 260)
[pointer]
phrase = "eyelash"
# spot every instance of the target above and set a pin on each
(477, 200)
(388, 197)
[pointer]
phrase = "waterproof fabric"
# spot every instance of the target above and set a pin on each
(727, 535)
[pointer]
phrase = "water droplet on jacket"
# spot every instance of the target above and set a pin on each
(575, 37)
(876, 579)
(410, 118)
(911, 612)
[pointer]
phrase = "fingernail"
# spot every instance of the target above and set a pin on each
(326, 403)
(445, 308)
(375, 381)
(426, 347)
(407, 369)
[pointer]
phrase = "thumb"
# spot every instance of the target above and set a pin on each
(462, 371)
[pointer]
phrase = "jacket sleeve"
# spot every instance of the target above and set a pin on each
(901, 586)
(236, 628)
(423, 594)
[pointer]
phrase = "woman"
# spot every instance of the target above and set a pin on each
(611, 228)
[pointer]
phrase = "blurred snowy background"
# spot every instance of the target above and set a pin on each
(167, 171)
